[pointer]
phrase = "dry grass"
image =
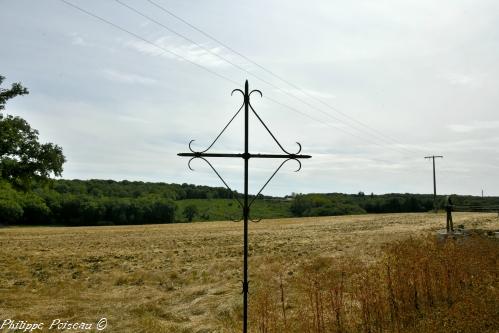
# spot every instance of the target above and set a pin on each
(185, 277)
(423, 285)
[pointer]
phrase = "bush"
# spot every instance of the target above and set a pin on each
(190, 211)
(11, 212)
(35, 210)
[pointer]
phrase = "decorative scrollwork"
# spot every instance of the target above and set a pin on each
(287, 156)
(255, 221)
(220, 177)
(242, 218)
(242, 92)
(218, 136)
(245, 286)
(234, 220)
(257, 91)
(272, 135)
(275, 172)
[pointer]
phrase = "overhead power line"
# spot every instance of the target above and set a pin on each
(165, 50)
(147, 41)
(294, 86)
(171, 30)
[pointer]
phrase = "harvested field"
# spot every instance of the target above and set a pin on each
(179, 277)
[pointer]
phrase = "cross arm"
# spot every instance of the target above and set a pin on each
(200, 154)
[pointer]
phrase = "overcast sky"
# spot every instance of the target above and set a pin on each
(414, 78)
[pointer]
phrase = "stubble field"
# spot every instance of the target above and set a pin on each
(180, 277)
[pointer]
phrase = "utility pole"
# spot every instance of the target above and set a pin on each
(434, 181)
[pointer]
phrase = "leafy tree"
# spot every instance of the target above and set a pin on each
(23, 159)
(190, 211)
(16, 89)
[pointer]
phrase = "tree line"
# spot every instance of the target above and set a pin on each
(346, 204)
(98, 202)
(108, 202)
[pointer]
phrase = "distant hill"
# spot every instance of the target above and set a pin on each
(107, 202)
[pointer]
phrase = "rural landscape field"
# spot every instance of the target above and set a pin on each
(186, 277)
(355, 141)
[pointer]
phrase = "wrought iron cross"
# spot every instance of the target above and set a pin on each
(246, 204)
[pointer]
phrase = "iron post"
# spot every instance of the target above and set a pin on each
(246, 204)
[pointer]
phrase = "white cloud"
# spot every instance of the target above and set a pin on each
(308, 93)
(461, 79)
(205, 56)
(323, 161)
(77, 39)
(474, 126)
(127, 77)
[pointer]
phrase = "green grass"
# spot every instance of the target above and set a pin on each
(226, 209)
